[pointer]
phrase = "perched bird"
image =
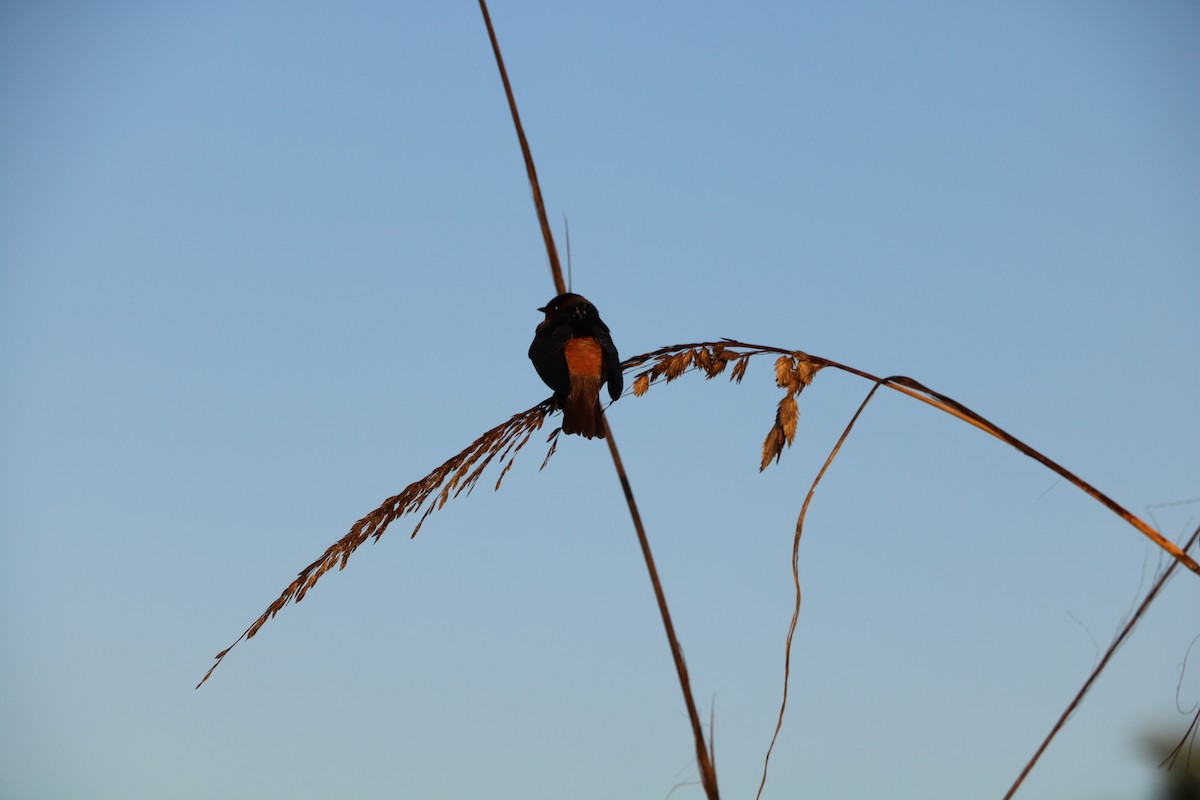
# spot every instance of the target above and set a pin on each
(574, 354)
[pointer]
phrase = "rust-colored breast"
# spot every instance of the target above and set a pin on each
(584, 357)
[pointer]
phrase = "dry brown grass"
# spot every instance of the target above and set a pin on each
(794, 371)
(458, 474)
(704, 753)
(1117, 641)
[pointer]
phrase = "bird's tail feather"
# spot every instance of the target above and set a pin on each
(581, 412)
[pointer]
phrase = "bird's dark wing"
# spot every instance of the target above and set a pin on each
(548, 359)
(612, 361)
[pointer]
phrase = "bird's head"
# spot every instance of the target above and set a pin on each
(562, 303)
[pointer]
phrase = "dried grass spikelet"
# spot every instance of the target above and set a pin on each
(669, 363)
(794, 370)
(739, 370)
(451, 479)
(678, 364)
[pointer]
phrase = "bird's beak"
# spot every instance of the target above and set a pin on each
(542, 309)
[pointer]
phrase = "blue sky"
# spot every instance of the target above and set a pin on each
(263, 265)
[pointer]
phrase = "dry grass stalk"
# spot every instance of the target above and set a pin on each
(1189, 734)
(787, 649)
(705, 756)
(794, 370)
(451, 479)
(708, 773)
(527, 154)
(729, 350)
(1091, 679)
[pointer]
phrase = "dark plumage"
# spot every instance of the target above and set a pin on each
(574, 354)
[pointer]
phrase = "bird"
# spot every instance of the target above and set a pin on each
(574, 354)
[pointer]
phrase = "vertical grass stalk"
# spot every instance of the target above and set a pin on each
(708, 776)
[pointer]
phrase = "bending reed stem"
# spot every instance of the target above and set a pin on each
(708, 774)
